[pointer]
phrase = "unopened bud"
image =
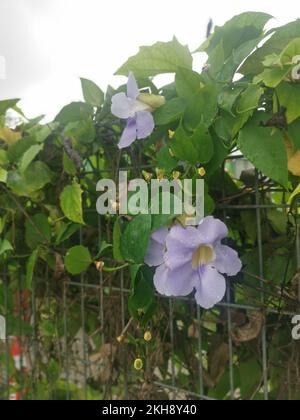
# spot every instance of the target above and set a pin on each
(121, 339)
(138, 364)
(160, 174)
(176, 175)
(147, 336)
(147, 176)
(154, 101)
(202, 172)
(99, 265)
(171, 134)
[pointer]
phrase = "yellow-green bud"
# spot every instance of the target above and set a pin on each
(154, 101)
(147, 336)
(138, 364)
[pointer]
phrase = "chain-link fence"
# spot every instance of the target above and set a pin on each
(61, 339)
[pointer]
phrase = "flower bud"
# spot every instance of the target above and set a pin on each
(147, 336)
(138, 364)
(171, 134)
(99, 265)
(202, 172)
(176, 175)
(121, 339)
(154, 101)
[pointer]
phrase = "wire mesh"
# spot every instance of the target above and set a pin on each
(89, 362)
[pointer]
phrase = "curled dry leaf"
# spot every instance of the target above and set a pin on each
(102, 363)
(59, 266)
(251, 330)
(218, 359)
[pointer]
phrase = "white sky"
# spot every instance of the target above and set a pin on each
(49, 44)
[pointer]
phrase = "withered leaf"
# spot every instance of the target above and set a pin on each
(251, 330)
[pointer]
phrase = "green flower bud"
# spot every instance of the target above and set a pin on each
(154, 101)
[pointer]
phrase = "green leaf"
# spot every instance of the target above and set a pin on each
(163, 57)
(291, 51)
(3, 158)
(3, 175)
(295, 193)
(237, 31)
(5, 246)
(202, 108)
(7, 104)
(165, 160)
(71, 203)
(92, 94)
(250, 373)
(249, 99)
(272, 77)
(265, 148)
(135, 239)
(31, 263)
(188, 83)
(141, 303)
(294, 134)
(83, 131)
(29, 156)
(38, 231)
(275, 45)
(278, 221)
(77, 260)
(288, 95)
(65, 232)
(73, 112)
(16, 151)
(170, 112)
(197, 148)
(41, 132)
(69, 165)
(36, 176)
(228, 97)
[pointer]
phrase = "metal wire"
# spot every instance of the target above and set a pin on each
(96, 297)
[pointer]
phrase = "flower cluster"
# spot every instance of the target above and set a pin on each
(193, 259)
(136, 108)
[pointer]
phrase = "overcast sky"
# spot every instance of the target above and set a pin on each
(49, 44)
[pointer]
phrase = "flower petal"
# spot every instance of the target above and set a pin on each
(211, 288)
(145, 124)
(212, 230)
(132, 87)
(175, 283)
(227, 260)
(156, 250)
(160, 235)
(181, 243)
(122, 107)
(129, 134)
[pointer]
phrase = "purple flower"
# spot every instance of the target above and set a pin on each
(140, 122)
(193, 259)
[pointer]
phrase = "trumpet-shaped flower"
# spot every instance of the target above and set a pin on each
(136, 108)
(193, 260)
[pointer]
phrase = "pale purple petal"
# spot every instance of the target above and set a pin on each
(160, 235)
(175, 283)
(181, 244)
(129, 134)
(227, 260)
(156, 250)
(145, 124)
(212, 230)
(132, 87)
(211, 288)
(121, 106)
